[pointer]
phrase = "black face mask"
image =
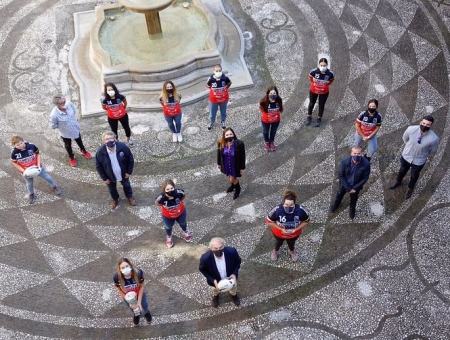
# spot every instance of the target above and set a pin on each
(229, 139)
(424, 128)
(170, 91)
(218, 253)
(371, 110)
(170, 192)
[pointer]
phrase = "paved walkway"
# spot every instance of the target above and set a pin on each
(383, 276)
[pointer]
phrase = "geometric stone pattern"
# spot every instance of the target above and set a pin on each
(383, 275)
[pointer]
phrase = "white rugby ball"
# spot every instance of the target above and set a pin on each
(226, 284)
(32, 171)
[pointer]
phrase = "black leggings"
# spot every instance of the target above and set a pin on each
(290, 242)
(312, 101)
(68, 145)
(114, 124)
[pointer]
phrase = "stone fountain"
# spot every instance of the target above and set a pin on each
(178, 41)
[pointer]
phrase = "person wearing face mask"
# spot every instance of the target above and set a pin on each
(218, 85)
(114, 162)
(420, 142)
(171, 201)
(287, 221)
(170, 101)
(271, 106)
(63, 117)
(130, 279)
(231, 159)
(367, 125)
(321, 78)
(115, 105)
(218, 263)
(353, 173)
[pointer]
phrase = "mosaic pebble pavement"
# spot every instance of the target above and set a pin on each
(386, 275)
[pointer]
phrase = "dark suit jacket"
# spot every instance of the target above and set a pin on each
(239, 157)
(103, 163)
(209, 269)
(362, 173)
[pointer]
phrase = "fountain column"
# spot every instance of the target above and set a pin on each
(151, 10)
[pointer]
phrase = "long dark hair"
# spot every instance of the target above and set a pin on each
(116, 91)
(264, 102)
(221, 141)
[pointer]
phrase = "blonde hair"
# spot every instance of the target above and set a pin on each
(16, 139)
(165, 94)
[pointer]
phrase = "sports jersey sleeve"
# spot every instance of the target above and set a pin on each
(209, 82)
(160, 199)
(360, 118)
(116, 280)
(141, 276)
(304, 216)
(179, 193)
(273, 215)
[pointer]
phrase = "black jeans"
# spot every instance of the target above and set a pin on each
(290, 242)
(340, 195)
(415, 172)
(114, 124)
(68, 145)
(269, 131)
(312, 101)
(112, 188)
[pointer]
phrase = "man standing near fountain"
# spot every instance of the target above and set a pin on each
(218, 85)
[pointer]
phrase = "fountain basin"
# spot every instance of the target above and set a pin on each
(123, 52)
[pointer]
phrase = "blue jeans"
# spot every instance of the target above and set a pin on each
(372, 144)
(213, 111)
(174, 123)
(44, 175)
(169, 222)
(112, 187)
(144, 303)
(269, 131)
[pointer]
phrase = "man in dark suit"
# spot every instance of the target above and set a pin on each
(218, 263)
(114, 162)
(353, 173)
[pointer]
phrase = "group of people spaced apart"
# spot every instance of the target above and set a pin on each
(220, 264)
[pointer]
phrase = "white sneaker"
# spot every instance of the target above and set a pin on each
(180, 137)
(174, 137)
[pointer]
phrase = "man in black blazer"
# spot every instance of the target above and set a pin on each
(353, 173)
(114, 162)
(218, 263)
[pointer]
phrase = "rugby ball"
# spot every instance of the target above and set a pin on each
(32, 171)
(226, 284)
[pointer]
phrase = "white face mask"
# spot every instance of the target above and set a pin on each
(126, 271)
(322, 68)
(111, 93)
(217, 74)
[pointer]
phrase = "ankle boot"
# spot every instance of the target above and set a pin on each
(237, 192)
(230, 188)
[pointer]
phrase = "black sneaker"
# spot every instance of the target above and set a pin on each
(148, 317)
(308, 120)
(210, 126)
(318, 122)
(394, 185)
(31, 198)
(223, 125)
(136, 319)
(236, 299)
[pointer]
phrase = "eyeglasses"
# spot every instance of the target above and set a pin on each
(419, 140)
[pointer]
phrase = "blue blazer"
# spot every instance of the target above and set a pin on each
(103, 163)
(362, 173)
(209, 269)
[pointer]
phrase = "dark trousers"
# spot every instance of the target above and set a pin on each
(269, 131)
(68, 145)
(114, 124)
(290, 242)
(415, 172)
(112, 187)
(340, 195)
(312, 101)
